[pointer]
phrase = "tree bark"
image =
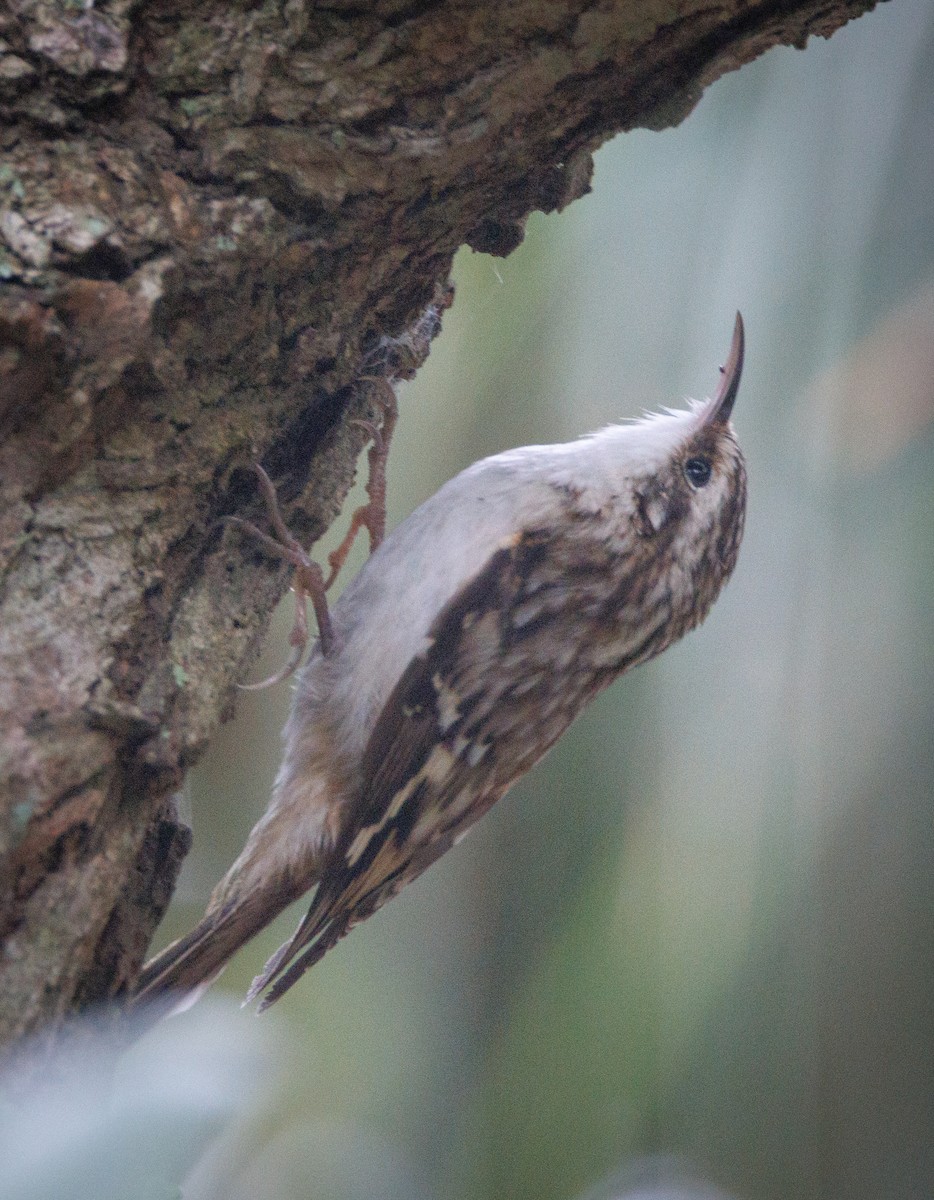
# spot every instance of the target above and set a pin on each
(220, 227)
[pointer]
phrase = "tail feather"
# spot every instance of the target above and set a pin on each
(308, 929)
(193, 962)
(293, 965)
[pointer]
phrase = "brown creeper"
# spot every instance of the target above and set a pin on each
(468, 643)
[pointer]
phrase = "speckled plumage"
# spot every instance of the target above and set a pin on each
(466, 646)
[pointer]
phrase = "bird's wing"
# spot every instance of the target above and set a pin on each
(490, 694)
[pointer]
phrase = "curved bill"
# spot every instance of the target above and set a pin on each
(721, 405)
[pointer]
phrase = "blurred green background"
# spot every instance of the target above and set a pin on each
(703, 927)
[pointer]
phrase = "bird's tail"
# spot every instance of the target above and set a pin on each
(190, 965)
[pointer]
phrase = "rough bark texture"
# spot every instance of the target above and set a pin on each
(212, 217)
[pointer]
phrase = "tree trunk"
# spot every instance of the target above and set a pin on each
(220, 227)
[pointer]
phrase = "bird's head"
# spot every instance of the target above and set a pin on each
(688, 476)
(681, 478)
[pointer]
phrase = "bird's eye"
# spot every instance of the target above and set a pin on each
(697, 471)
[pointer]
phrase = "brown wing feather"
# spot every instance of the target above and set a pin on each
(458, 729)
(399, 746)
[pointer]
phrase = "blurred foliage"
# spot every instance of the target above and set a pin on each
(107, 1123)
(702, 927)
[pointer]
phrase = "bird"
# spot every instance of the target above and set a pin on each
(466, 645)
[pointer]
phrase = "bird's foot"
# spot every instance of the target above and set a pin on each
(372, 515)
(307, 583)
